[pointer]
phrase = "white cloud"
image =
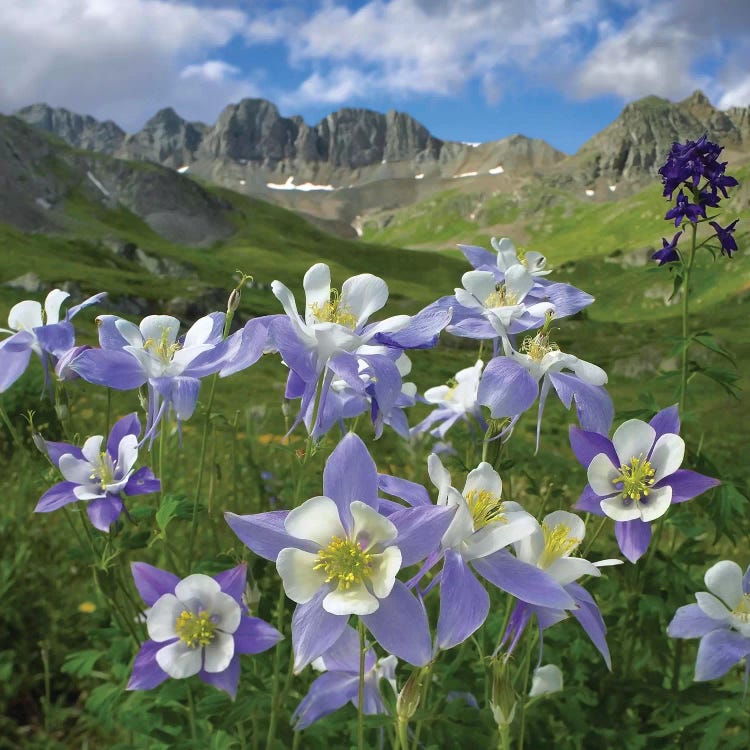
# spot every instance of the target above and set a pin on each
(211, 70)
(120, 59)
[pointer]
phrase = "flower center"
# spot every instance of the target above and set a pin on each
(538, 346)
(334, 311)
(500, 297)
(486, 508)
(195, 630)
(344, 562)
(162, 348)
(104, 470)
(636, 479)
(742, 610)
(557, 542)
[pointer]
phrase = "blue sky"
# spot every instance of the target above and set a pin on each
(469, 70)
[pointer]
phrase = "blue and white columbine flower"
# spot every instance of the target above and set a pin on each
(38, 329)
(338, 556)
(721, 619)
(99, 474)
(339, 683)
(636, 476)
(197, 626)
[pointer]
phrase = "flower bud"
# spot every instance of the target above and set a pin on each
(234, 301)
(503, 702)
(408, 699)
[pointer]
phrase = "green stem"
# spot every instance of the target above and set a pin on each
(361, 693)
(526, 664)
(685, 318)
(275, 702)
(427, 679)
(191, 715)
(402, 730)
(591, 541)
(11, 428)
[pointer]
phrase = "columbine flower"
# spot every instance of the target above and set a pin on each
(38, 330)
(339, 683)
(510, 384)
(338, 556)
(197, 625)
(454, 401)
(721, 619)
(330, 336)
(668, 252)
(550, 547)
(484, 524)
(99, 475)
(636, 476)
(152, 353)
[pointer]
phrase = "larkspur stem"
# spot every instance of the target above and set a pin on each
(685, 318)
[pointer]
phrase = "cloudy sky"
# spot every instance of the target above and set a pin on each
(469, 70)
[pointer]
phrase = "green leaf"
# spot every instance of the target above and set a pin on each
(81, 663)
(167, 510)
(704, 338)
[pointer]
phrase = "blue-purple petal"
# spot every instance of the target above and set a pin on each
(594, 405)
(464, 602)
(147, 674)
(265, 533)
(590, 501)
(314, 630)
(246, 346)
(687, 484)
(226, 680)
(15, 362)
(718, 652)
(522, 580)
(142, 482)
(327, 694)
(233, 581)
(478, 256)
(506, 388)
(93, 300)
(633, 537)
(666, 421)
(587, 444)
(128, 425)
(254, 635)
(400, 626)
(590, 618)
(114, 369)
(56, 497)
(56, 450)
(152, 582)
(422, 331)
(420, 530)
(410, 492)
(56, 338)
(104, 511)
(567, 299)
(691, 621)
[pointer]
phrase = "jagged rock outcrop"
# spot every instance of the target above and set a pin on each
(165, 139)
(80, 131)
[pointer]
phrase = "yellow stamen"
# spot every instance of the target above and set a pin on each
(195, 630)
(486, 507)
(333, 311)
(162, 348)
(344, 562)
(500, 297)
(557, 543)
(742, 610)
(104, 470)
(636, 479)
(538, 346)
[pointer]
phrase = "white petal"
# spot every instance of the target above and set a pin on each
(52, 305)
(633, 439)
(388, 325)
(725, 581)
(484, 477)
(437, 395)
(667, 455)
(547, 679)
(130, 332)
(155, 326)
(317, 286)
(363, 295)
(296, 568)
(479, 283)
(576, 526)
(565, 570)
(712, 606)
(25, 315)
(536, 262)
(495, 536)
(356, 600)
(183, 357)
(162, 616)
(178, 660)
(462, 525)
(89, 491)
(467, 299)
(518, 281)
(92, 448)
(153, 367)
(316, 519)
(75, 469)
(199, 332)
(218, 653)
(530, 548)
(127, 454)
(601, 475)
(226, 613)
(197, 591)
(506, 252)
(439, 476)
(655, 504)
(370, 528)
(384, 569)
(616, 508)
(589, 373)
(609, 562)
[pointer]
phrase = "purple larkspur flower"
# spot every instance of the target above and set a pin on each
(635, 477)
(668, 252)
(725, 235)
(330, 340)
(550, 547)
(683, 209)
(100, 475)
(721, 619)
(338, 556)
(511, 384)
(339, 683)
(38, 329)
(152, 353)
(197, 625)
